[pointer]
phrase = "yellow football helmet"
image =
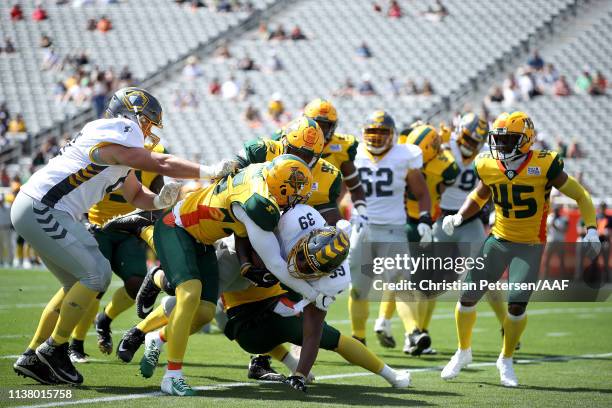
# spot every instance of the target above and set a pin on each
(471, 134)
(318, 254)
(303, 137)
(325, 114)
(379, 132)
(428, 139)
(512, 135)
(289, 180)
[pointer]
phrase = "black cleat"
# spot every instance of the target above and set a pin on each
(418, 341)
(132, 223)
(362, 340)
(129, 344)
(76, 352)
(29, 365)
(260, 369)
(105, 338)
(147, 294)
(56, 358)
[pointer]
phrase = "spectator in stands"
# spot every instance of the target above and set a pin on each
(246, 90)
(366, 88)
(222, 53)
(276, 109)
(39, 13)
(584, 83)
(98, 98)
(347, 90)
(561, 148)
(527, 84)
(557, 225)
(574, 151)
(223, 6)
(4, 118)
(17, 124)
(252, 117)
(104, 25)
(5, 179)
(297, 34)
(278, 34)
(376, 7)
(230, 89)
(45, 41)
(59, 90)
(410, 88)
(363, 51)
(600, 83)
(192, 68)
(437, 12)
(247, 63)
(16, 12)
(394, 87)
(92, 24)
(604, 226)
(274, 64)
(125, 77)
(9, 48)
(512, 93)
(262, 31)
(561, 87)
(50, 59)
(496, 95)
(395, 10)
(427, 88)
(548, 76)
(535, 61)
(190, 100)
(214, 87)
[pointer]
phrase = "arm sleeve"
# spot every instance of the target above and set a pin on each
(574, 190)
(266, 246)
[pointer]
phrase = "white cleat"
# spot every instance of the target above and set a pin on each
(507, 376)
(176, 386)
(402, 379)
(460, 360)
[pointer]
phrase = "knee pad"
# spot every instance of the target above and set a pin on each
(168, 303)
(517, 308)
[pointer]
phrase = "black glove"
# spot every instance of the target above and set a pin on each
(260, 277)
(297, 382)
(133, 222)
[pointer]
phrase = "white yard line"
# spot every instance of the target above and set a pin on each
(321, 377)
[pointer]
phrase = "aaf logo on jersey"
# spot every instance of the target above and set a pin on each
(335, 148)
(533, 171)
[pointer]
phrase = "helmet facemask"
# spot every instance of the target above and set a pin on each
(506, 146)
(305, 154)
(146, 125)
(468, 146)
(328, 127)
(378, 140)
(318, 254)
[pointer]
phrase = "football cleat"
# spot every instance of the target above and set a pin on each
(289, 180)
(147, 294)
(133, 222)
(150, 358)
(507, 376)
(430, 351)
(177, 386)
(56, 358)
(460, 359)
(76, 351)
(29, 365)
(382, 327)
(129, 344)
(402, 379)
(416, 342)
(105, 338)
(260, 369)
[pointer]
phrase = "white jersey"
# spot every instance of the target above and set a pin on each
(295, 224)
(384, 181)
(71, 181)
(454, 196)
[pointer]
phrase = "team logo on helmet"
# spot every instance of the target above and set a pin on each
(135, 100)
(297, 180)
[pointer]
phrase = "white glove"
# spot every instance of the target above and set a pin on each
(219, 170)
(592, 237)
(424, 231)
(360, 220)
(167, 196)
(323, 301)
(344, 226)
(450, 222)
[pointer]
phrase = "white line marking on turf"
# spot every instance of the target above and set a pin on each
(322, 377)
(558, 334)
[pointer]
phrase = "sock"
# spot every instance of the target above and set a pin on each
(19, 253)
(279, 353)
(181, 318)
(465, 318)
(514, 326)
(388, 373)
(147, 236)
(81, 329)
(387, 305)
(356, 353)
(431, 305)
(497, 303)
(406, 311)
(75, 304)
(158, 278)
(48, 319)
(174, 369)
(358, 310)
(155, 320)
(203, 315)
(290, 362)
(158, 338)
(120, 302)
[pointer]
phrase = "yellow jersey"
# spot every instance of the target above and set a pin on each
(327, 178)
(114, 204)
(522, 196)
(340, 149)
(440, 171)
(206, 214)
(250, 295)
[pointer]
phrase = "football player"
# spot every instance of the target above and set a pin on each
(128, 257)
(520, 180)
(245, 204)
(440, 171)
(386, 169)
(46, 210)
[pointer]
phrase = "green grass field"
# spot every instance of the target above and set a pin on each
(566, 360)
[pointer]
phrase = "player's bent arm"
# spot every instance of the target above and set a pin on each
(243, 249)
(574, 190)
(137, 194)
(418, 187)
(352, 181)
(312, 328)
(143, 159)
(331, 215)
(475, 201)
(266, 246)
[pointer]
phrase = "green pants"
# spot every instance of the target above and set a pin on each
(183, 258)
(126, 253)
(522, 261)
(258, 329)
